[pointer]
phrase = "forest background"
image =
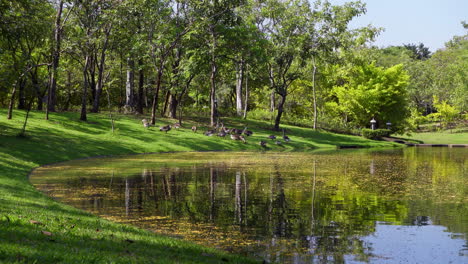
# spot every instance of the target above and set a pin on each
(290, 61)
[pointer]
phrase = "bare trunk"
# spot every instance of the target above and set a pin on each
(239, 80)
(246, 102)
(213, 101)
(173, 106)
(166, 103)
(141, 83)
(84, 97)
(52, 100)
(22, 96)
(280, 112)
(155, 97)
(12, 102)
(129, 92)
(313, 93)
(101, 64)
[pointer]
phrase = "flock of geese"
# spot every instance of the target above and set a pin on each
(234, 133)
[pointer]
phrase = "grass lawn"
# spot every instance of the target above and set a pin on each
(443, 137)
(36, 229)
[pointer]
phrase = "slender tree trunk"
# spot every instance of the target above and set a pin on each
(173, 106)
(129, 87)
(12, 102)
(246, 102)
(22, 97)
(167, 98)
(239, 80)
(101, 67)
(156, 93)
(213, 101)
(272, 95)
(280, 112)
(52, 100)
(141, 83)
(314, 93)
(84, 97)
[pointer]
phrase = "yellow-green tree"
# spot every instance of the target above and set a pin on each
(374, 92)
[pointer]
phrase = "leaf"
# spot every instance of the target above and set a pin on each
(47, 233)
(34, 222)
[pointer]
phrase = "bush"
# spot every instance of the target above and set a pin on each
(375, 134)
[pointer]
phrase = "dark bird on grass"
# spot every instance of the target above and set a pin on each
(285, 138)
(262, 143)
(194, 129)
(236, 131)
(247, 132)
(238, 137)
(272, 137)
(165, 128)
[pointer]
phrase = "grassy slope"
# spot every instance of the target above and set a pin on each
(78, 237)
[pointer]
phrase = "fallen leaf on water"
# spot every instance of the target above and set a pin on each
(47, 233)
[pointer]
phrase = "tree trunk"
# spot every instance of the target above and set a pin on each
(166, 103)
(84, 97)
(129, 87)
(280, 112)
(141, 83)
(213, 101)
(246, 102)
(156, 93)
(52, 100)
(22, 96)
(101, 65)
(173, 106)
(239, 79)
(314, 93)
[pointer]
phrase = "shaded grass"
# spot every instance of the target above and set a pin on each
(77, 236)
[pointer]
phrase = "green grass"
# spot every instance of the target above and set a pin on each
(443, 137)
(77, 236)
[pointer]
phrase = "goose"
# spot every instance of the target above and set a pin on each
(165, 128)
(209, 133)
(262, 143)
(247, 132)
(176, 126)
(146, 123)
(272, 137)
(236, 131)
(238, 137)
(221, 133)
(194, 129)
(286, 138)
(277, 142)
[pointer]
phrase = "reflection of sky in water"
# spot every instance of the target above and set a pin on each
(416, 244)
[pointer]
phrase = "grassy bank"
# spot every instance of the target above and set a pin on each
(443, 137)
(36, 229)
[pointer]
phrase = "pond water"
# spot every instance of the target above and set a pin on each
(379, 206)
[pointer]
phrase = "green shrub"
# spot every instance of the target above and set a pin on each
(375, 134)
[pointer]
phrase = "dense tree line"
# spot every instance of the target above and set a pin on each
(273, 59)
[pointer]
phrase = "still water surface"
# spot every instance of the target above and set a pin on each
(387, 206)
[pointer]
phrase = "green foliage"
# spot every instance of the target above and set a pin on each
(376, 133)
(445, 112)
(372, 91)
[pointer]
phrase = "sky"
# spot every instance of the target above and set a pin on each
(431, 22)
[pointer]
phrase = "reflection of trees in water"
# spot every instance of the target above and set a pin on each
(321, 216)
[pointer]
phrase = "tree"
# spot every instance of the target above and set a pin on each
(419, 52)
(374, 92)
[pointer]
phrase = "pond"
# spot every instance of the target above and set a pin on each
(354, 206)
